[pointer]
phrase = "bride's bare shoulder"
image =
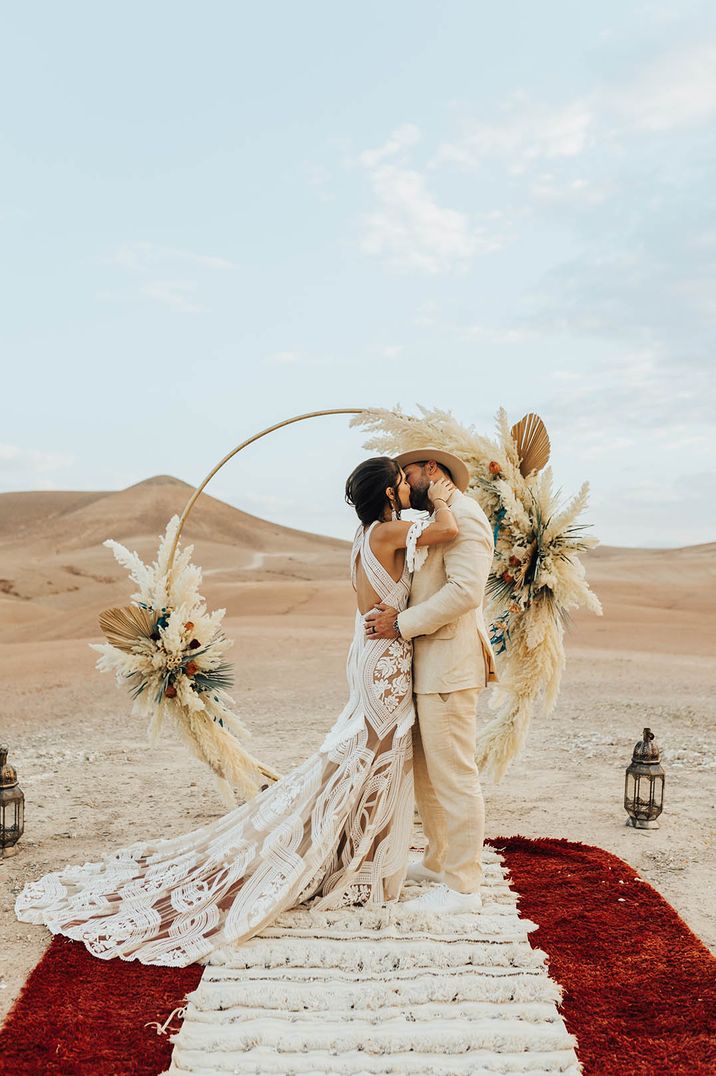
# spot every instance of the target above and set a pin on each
(390, 534)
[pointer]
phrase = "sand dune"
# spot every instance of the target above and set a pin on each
(55, 574)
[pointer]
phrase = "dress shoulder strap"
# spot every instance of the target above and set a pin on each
(357, 546)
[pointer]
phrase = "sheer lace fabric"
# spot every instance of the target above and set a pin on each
(336, 829)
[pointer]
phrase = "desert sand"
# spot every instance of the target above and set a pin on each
(92, 783)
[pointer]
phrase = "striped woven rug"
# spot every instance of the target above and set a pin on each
(363, 991)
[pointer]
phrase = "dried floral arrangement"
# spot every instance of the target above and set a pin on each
(170, 652)
(537, 576)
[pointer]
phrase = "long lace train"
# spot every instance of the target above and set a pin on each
(336, 828)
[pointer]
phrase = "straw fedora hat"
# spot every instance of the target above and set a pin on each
(458, 469)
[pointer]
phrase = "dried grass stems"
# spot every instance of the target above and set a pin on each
(537, 576)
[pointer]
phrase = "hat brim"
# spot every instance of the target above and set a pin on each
(458, 469)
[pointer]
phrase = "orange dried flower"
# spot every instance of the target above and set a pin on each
(170, 691)
(494, 467)
(191, 668)
(508, 578)
(189, 626)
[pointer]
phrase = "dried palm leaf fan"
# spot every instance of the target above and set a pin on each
(532, 441)
(124, 626)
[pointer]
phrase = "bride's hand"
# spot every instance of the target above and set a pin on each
(440, 490)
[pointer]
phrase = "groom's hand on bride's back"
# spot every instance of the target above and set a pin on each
(380, 622)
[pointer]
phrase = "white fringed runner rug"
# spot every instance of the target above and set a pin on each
(371, 991)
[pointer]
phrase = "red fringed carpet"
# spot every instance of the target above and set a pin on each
(639, 987)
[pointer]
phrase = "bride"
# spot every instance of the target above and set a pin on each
(336, 828)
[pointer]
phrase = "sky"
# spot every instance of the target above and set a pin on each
(217, 216)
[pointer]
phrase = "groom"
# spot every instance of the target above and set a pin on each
(452, 662)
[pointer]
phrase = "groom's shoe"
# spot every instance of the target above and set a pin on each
(417, 872)
(441, 899)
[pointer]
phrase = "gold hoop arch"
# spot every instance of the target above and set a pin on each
(266, 771)
(244, 444)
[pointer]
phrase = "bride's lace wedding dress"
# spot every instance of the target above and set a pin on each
(337, 828)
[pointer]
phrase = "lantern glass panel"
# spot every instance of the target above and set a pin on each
(12, 816)
(643, 794)
(658, 791)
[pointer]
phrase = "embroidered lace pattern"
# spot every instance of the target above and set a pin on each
(335, 830)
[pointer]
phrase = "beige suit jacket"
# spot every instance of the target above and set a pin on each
(445, 618)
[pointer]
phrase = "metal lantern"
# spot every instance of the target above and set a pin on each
(644, 784)
(12, 804)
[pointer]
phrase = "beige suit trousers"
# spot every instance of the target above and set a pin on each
(447, 786)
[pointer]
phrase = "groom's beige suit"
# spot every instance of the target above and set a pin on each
(452, 662)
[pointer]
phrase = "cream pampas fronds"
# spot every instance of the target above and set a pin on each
(537, 576)
(171, 654)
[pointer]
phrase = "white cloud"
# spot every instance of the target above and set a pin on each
(495, 334)
(428, 314)
(678, 90)
(402, 138)
(409, 229)
(555, 191)
(174, 293)
(528, 132)
(283, 358)
(641, 390)
(653, 512)
(23, 468)
(321, 180)
(181, 271)
(145, 257)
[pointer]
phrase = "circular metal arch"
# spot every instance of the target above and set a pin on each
(244, 444)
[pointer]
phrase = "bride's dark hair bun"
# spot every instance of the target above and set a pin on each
(366, 486)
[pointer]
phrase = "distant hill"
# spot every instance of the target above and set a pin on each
(55, 574)
(74, 520)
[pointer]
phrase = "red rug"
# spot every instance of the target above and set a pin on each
(80, 1016)
(639, 987)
